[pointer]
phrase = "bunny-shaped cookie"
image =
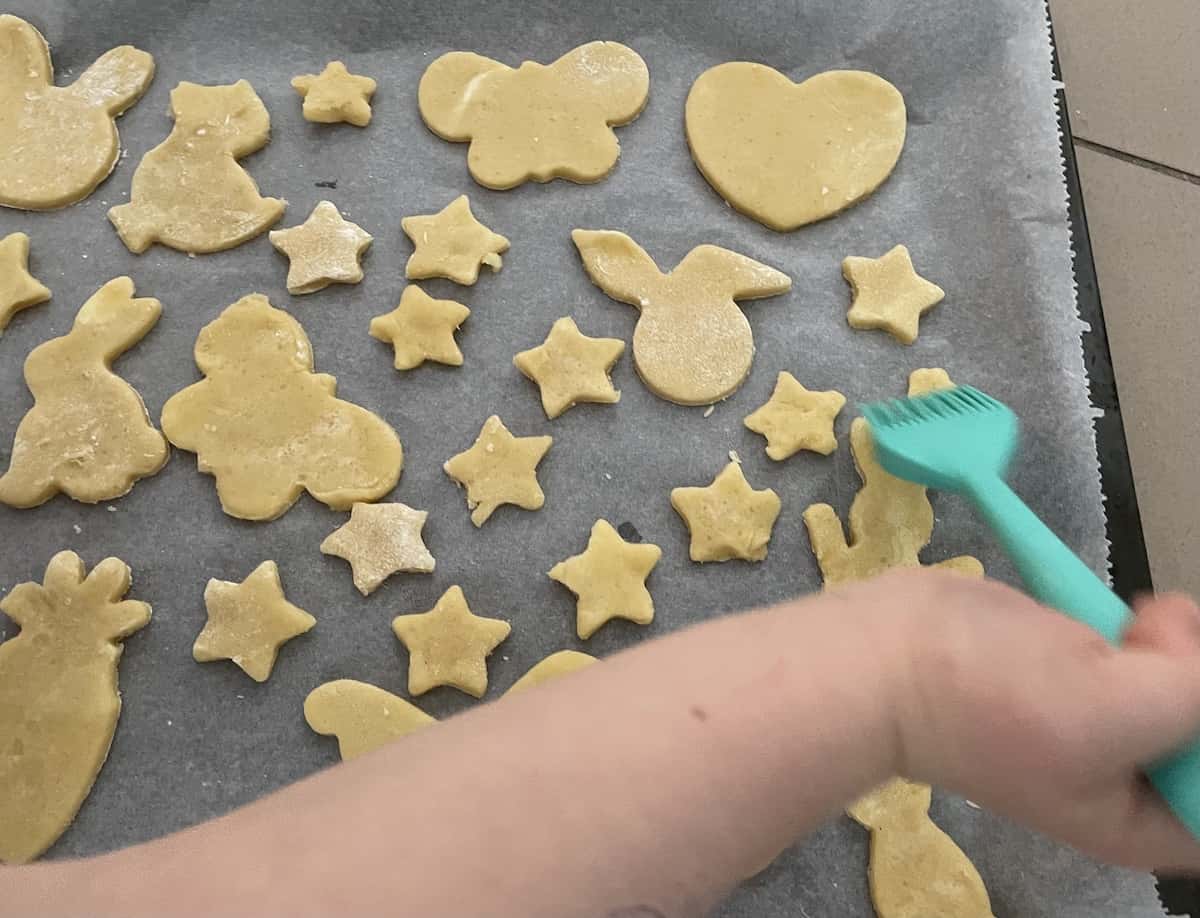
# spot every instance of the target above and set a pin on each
(916, 869)
(538, 121)
(692, 344)
(87, 433)
(189, 192)
(267, 427)
(57, 143)
(890, 519)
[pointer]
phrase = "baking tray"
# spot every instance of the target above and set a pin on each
(978, 197)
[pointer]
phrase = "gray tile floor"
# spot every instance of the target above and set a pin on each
(1134, 94)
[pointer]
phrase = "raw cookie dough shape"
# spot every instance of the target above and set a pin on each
(728, 519)
(59, 702)
(249, 621)
(268, 428)
(362, 716)
(499, 469)
(87, 434)
(609, 579)
(692, 344)
(18, 288)
(786, 154)
(189, 192)
(562, 663)
(335, 95)
(421, 328)
(325, 249)
(794, 418)
(890, 520)
(451, 244)
(59, 142)
(889, 294)
(569, 368)
(916, 870)
(449, 645)
(381, 540)
(538, 121)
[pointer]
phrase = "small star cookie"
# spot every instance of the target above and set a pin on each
(452, 243)
(449, 645)
(336, 95)
(421, 328)
(561, 663)
(325, 249)
(249, 621)
(794, 419)
(610, 580)
(728, 519)
(499, 469)
(381, 540)
(18, 288)
(569, 368)
(889, 294)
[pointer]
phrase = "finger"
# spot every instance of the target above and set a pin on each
(1168, 623)
(1143, 833)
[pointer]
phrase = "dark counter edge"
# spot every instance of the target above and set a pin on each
(1129, 563)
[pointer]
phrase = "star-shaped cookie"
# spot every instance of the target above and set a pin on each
(421, 328)
(609, 579)
(452, 243)
(889, 294)
(381, 540)
(18, 288)
(569, 367)
(728, 519)
(449, 645)
(794, 419)
(325, 249)
(499, 469)
(249, 621)
(336, 95)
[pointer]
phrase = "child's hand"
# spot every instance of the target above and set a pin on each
(1033, 715)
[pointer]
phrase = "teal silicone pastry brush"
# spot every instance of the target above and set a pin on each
(962, 440)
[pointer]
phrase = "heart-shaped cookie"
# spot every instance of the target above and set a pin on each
(789, 153)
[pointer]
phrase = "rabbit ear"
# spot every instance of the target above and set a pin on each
(445, 95)
(115, 319)
(898, 803)
(738, 277)
(613, 74)
(24, 54)
(116, 80)
(617, 265)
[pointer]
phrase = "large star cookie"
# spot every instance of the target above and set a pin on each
(889, 294)
(794, 419)
(249, 621)
(18, 288)
(381, 540)
(728, 519)
(336, 94)
(569, 368)
(421, 328)
(325, 249)
(609, 578)
(499, 469)
(452, 244)
(449, 645)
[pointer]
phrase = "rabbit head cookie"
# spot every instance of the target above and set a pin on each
(58, 143)
(268, 428)
(692, 344)
(189, 192)
(538, 121)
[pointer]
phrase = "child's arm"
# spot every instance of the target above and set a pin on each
(660, 778)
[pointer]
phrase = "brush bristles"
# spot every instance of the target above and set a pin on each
(948, 403)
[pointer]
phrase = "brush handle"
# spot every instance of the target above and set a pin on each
(1056, 577)
(1052, 572)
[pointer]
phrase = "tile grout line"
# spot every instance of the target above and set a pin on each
(1130, 158)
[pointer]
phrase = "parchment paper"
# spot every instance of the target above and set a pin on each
(978, 197)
